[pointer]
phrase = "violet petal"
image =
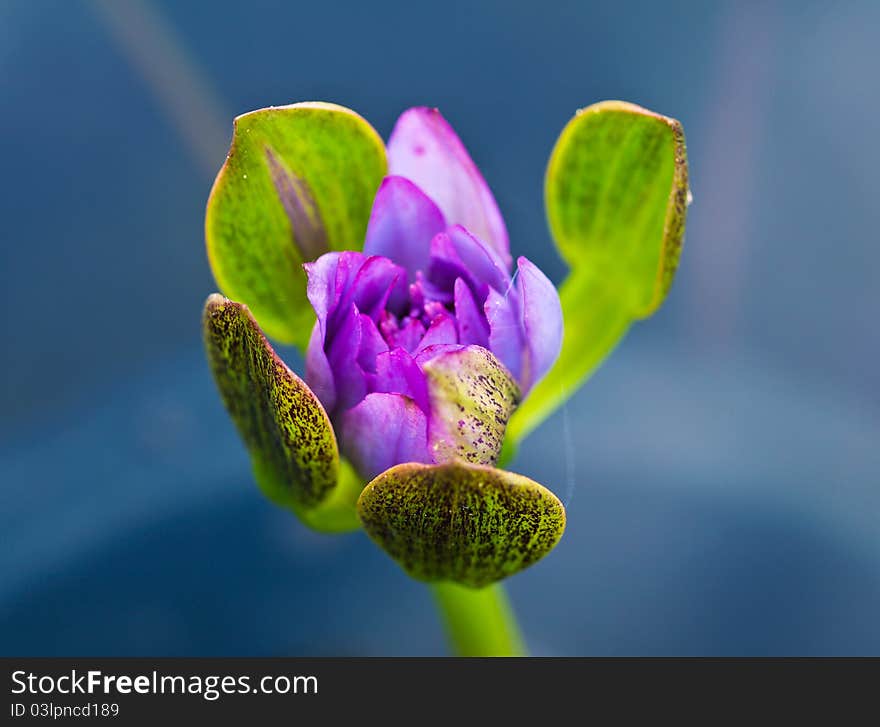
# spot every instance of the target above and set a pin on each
(398, 373)
(442, 330)
(505, 334)
(402, 223)
(351, 385)
(458, 254)
(321, 287)
(540, 315)
(374, 283)
(384, 430)
(427, 290)
(319, 375)
(444, 268)
(424, 148)
(472, 324)
(329, 287)
(372, 344)
(483, 263)
(408, 336)
(350, 264)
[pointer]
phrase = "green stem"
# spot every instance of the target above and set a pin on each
(338, 513)
(479, 622)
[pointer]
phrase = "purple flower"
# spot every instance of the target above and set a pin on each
(410, 332)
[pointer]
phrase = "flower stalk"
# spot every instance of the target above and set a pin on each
(427, 358)
(479, 621)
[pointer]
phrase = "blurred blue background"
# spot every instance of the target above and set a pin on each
(721, 471)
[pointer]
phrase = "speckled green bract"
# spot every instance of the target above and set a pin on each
(616, 196)
(299, 180)
(457, 522)
(472, 397)
(285, 428)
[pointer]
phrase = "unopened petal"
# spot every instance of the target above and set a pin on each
(472, 324)
(374, 284)
(540, 315)
(424, 148)
(319, 375)
(330, 279)
(342, 355)
(456, 253)
(398, 373)
(441, 331)
(483, 261)
(371, 345)
(321, 287)
(505, 333)
(384, 430)
(402, 223)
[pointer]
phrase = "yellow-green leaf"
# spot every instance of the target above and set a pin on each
(299, 180)
(616, 193)
(616, 196)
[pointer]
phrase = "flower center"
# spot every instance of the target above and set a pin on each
(430, 309)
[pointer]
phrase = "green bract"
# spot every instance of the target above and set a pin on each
(616, 193)
(298, 181)
(291, 442)
(473, 396)
(457, 522)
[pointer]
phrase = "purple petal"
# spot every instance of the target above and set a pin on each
(374, 283)
(398, 373)
(425, 290)
(482, 261)
(541, 318)
(442, 330)
(458, 254)
(505, 335)
(402, 223)
(351, 385)
(417, 293)
(424, 148)
(329, 284)
(472, 324)
(372, 344)
(362, 280)
(350, 263)
(321, 287)
(382, 431)
(444, 268)
(319, 376)
(407, 336)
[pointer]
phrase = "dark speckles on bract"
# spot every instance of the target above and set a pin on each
(458, 522)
